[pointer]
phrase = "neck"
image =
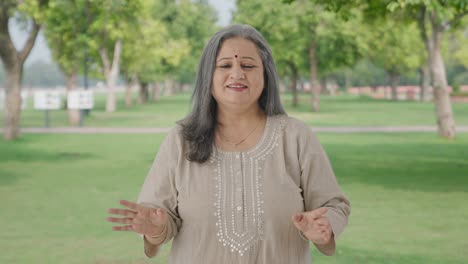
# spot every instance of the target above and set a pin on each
(239, 119)
(237, 129)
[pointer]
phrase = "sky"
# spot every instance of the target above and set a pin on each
(42, 52)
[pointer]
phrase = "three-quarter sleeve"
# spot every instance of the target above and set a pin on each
(319, 184)
(159, 188)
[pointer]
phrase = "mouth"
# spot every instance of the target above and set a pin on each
(237, 86)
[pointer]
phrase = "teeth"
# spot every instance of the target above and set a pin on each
(237, 86)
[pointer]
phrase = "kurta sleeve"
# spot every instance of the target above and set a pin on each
(319, 184)
(159, 188)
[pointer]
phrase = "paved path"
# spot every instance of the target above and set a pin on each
(155, 130)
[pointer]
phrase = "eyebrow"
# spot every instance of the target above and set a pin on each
(244, 57)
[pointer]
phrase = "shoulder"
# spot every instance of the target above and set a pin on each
(289, 125)
(300, 133)
(297, 125)
(298, 128)
(174, 138)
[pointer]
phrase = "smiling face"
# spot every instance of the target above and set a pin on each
(238, 76)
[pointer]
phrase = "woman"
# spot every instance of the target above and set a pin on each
(238, 181)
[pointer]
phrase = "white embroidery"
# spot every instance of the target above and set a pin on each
(239, 190)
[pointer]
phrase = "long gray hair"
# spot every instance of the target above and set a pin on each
(198, 128)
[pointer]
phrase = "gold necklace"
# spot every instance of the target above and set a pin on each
(235, 144)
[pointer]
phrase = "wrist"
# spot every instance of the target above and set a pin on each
(161, 233)
(159, 237)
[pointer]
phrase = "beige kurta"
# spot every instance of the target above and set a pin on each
(237, 207)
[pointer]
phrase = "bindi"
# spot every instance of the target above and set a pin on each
(235, 56)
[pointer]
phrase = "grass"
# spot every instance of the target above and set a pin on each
(343, 110)
(408, 192)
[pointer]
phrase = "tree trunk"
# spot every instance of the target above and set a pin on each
(13, 61)
(293, 83)
(293, 87)
(111, 72)
(426, 67)
(424, 82)
(443, 105)
(156, 92)
(168, 87)
(128, 95)
(129, 90)
(315, 86)
(347, 81)
(323, 86)
(177, 87)
(73, 114)
(333, 87)
(144, 93)
(12, 113)
(394, 80)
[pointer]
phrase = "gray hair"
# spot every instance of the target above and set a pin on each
(198, 128)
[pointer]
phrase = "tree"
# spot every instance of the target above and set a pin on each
(435, 17)
(152, 49)
(187, 21)
(305, 30)
(13, 60)
(195, 22)
(109, 24)
(65, 31)
(395, 47)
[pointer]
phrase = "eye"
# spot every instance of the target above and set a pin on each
(225, 66)
(248, 66)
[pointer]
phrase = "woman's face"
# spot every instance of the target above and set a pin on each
(238, 75)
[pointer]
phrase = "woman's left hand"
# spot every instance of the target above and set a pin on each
(314, 225)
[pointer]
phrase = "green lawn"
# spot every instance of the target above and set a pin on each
(343, 110)
(408, 191)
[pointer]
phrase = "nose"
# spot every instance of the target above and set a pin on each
(237, 72)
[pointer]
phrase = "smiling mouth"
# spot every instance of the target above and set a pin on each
(237, 87)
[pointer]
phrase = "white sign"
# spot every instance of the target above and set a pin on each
(47, 100)
(24, 100)
(80, 99)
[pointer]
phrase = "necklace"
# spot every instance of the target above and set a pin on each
(235, 144)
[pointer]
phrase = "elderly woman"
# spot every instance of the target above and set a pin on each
(237, 180)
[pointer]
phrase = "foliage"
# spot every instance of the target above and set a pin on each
(290, 28)
(168, 40)
(65, 31)
(395, 46)
(365, 73)
(458, 43)
(192, 23)
(149, 47)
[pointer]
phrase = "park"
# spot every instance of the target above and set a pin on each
(397, 141)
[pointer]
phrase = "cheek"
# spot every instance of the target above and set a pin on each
(259, 83)
(218, 79)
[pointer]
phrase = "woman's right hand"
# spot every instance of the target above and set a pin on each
(147, 221)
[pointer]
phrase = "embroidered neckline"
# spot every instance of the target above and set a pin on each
(218, 150)
(238, 178)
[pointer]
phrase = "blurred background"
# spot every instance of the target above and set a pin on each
(89, 88)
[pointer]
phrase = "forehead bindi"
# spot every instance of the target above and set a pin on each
(238, 48)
